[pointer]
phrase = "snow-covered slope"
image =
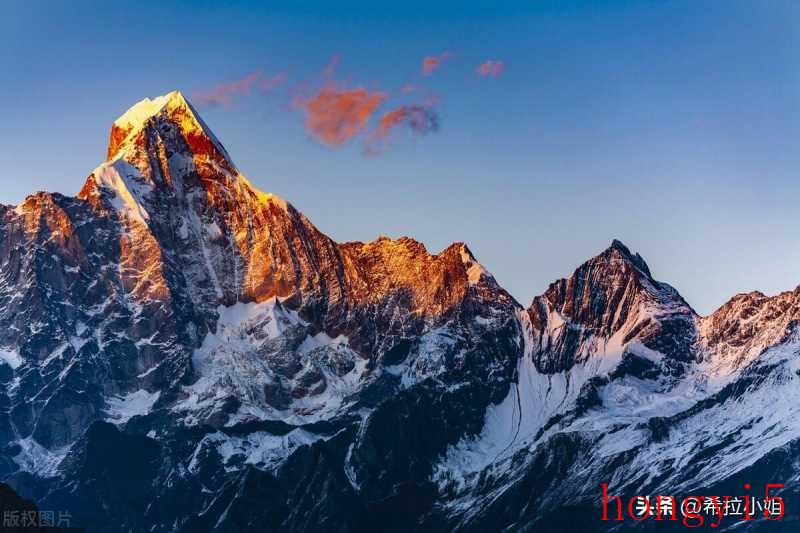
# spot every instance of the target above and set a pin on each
(713, 401)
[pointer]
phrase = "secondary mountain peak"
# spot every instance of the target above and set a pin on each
(610, 278)
(745, 325)
(612, 295)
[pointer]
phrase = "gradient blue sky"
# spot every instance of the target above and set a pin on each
(673, 126)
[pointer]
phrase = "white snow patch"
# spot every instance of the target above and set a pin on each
(321, 340)
(213, 231)
(475, 270)
(120, 409)
(36, 459)
(128, 186)
(58, 353)
(428, 360)
(349, 471)
(183, 230)
(260, 449)
(142, 110)
(235, 361)
(483, 321)
(10, 357)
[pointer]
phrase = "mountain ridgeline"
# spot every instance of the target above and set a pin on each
(182, 352)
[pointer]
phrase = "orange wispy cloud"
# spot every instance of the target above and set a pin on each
(491, 67)
(431, 63)
(334, 115)
(420, 119)
(336, 111)
(224, 93)
(330, 68)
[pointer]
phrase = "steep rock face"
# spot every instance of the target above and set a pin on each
(65, 302)
(746, 325)
(387, 279)
(605, 304)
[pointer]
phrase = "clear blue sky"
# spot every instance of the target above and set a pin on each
(673, 126)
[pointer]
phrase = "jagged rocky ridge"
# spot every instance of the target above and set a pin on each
(182, 352)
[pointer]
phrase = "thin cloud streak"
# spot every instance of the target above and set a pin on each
(431, 63)
(225, 93)
(330, 68)
(490, 68)
(420, 119)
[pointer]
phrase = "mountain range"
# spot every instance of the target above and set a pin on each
(182, 352)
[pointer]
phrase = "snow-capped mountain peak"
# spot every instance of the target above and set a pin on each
(139, 112)
(161, 152)
(170, 108)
